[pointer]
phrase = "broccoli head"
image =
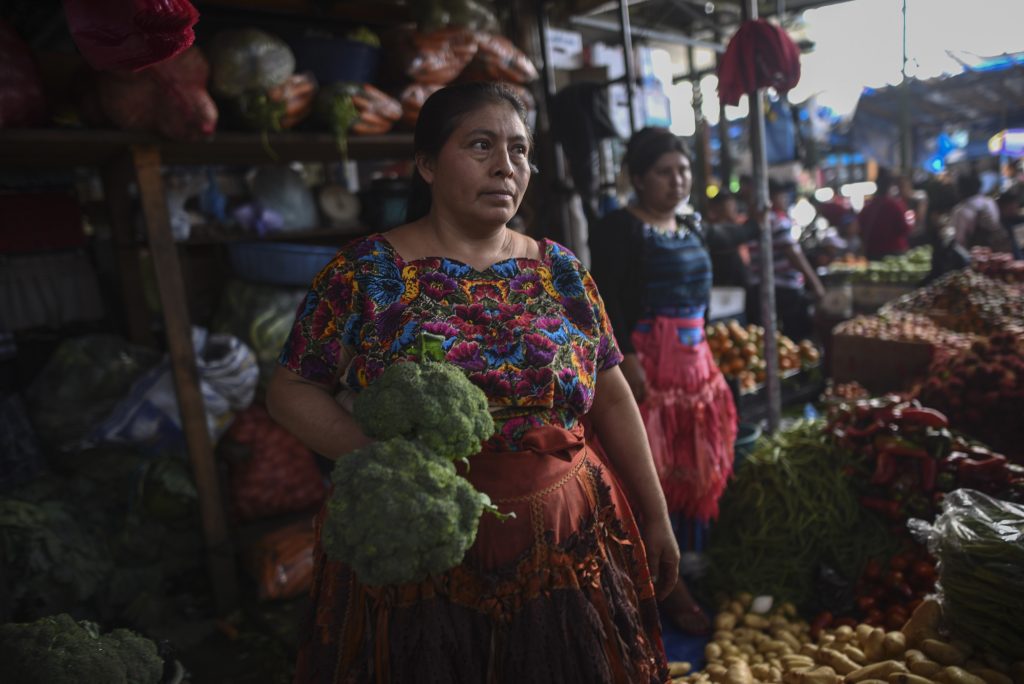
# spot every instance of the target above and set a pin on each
(142, 661)
(58, 650)
(399, 513)
(430, 401)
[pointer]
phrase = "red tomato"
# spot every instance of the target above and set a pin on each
(874, 617)
(873, 569)
(866, 603)
(899, 562)
(924, 569)
(893, 579)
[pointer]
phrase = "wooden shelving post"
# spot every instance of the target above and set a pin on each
(219, 552)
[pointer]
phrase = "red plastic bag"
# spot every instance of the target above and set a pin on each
(281, 561)
(21, 94)
(272, 472)
(130, 34)
(170, 98)
(759, 55)
(498, 59)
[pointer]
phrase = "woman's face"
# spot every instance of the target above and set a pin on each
(479, 177)
(663, 186)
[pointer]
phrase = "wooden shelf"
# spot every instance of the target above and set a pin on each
(224, 236)
(381, 12)
(37, 148)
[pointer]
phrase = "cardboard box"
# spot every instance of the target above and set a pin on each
(879, 365)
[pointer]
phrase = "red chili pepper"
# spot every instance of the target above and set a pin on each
(871, 429)
(890, 509)
(929, 471)
(894, 449)
(823, 620)
(992, 469)
(885, 469)
(924, 416)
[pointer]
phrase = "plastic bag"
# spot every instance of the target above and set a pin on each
(20, 458)
(261, 316)
(170, 98)
(249, 59)
(979, 542)
(130, 34)
(149, 413)
(437, 57)
(412, 98)
(272, 472)
(79, 385)
(281, 561)
(282, 190)
(21, 93)
(498, 59)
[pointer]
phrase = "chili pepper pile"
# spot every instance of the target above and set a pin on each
(982, 392)
(909, 458)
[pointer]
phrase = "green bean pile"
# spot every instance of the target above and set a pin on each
(981, 571)
(790, 510)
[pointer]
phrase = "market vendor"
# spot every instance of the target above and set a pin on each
(651, 261)
(574, 596)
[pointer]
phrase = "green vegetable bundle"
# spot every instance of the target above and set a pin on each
(979, 541)
(789, 512)
(399, 511)
(58, 650)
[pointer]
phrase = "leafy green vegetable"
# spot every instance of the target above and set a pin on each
(790, 511)
(979, 541)
(399, 510)
(58, 650)
(430, 401)
(399, 513)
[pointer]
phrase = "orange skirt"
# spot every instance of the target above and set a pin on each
(560, 594)
(690, 418)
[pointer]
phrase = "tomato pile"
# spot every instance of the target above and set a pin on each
(739, 352)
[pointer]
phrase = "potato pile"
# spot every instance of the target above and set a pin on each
(749, 646)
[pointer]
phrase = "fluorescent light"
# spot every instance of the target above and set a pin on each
(862, 189)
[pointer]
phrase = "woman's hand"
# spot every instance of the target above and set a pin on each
(662, 556)
(635, 376)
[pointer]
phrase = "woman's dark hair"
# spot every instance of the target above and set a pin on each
(884, 180)
(647, 145)
(440, 116)
(968, 185)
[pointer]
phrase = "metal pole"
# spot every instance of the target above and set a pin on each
(725, 156)
(627, 53)
(905, 129)
(698, 194)
(760, 178)
(557, 184)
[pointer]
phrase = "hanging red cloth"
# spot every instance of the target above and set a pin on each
(130, 34)
(759, 55)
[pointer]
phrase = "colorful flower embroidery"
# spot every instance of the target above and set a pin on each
(532, 333)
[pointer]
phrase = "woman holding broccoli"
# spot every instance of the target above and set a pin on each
(566, 591)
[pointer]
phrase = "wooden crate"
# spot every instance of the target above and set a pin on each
(879, 365)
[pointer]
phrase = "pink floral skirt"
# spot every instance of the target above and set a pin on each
(690, 418)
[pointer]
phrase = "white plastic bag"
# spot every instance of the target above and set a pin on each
(228, 374)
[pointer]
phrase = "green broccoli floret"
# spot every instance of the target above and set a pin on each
(58, 650)
(142, 661)
(433, 402)
(399, 513)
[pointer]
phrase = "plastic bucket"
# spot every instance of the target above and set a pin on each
(746, 436)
